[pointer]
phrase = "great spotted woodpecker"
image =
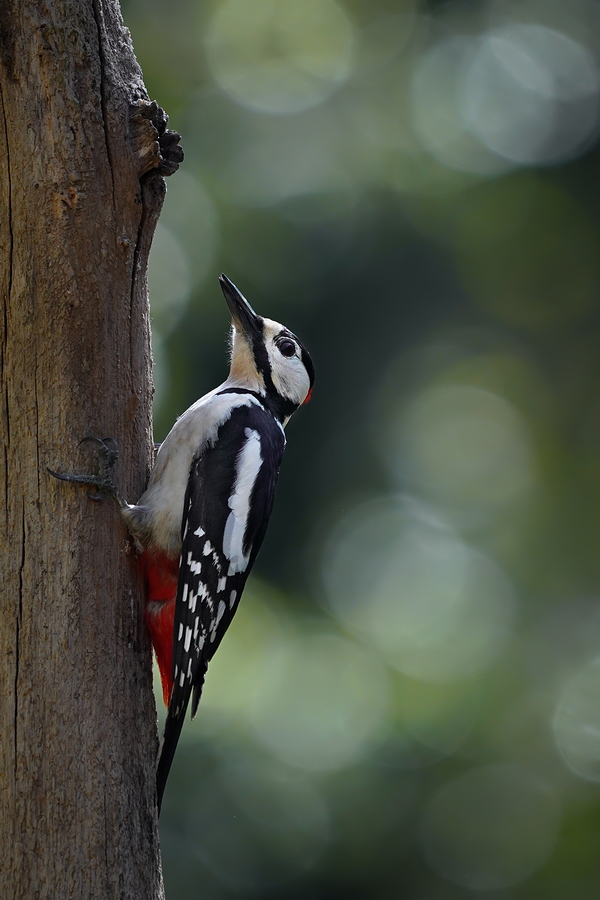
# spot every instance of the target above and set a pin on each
(202, 519)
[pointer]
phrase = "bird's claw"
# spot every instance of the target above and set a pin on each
(107, 452)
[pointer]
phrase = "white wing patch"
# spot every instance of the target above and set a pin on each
(248, 466)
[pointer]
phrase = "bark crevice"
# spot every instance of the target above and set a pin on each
(18, 621)
(9, 263)
(103, 87)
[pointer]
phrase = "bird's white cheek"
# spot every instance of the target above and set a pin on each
(292, 384)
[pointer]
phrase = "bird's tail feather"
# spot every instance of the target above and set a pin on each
(173, 726)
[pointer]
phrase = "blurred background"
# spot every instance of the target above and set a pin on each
(408, 702)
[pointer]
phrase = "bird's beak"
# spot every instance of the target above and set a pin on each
(244, 317)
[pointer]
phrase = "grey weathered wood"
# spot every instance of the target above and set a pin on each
(77, 720)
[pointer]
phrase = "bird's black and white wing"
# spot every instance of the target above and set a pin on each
(227, 505)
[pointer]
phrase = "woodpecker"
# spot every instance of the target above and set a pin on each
(201, 521)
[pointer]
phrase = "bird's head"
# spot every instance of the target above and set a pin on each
(266, 357)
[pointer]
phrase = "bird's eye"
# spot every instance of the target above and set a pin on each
(287, 348)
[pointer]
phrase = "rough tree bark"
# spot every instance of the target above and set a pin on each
(80, 192)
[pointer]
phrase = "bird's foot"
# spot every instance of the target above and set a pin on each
(107, 453)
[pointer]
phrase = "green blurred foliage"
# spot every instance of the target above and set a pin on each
(408, 702)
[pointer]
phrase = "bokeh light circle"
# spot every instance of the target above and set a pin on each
(169, 280)
(490, 828)
(397, 575)
(435, 109)
(463, 445)
(323, 704)
(577, 722)
(280, 56)
(190, 215)
(530, 94)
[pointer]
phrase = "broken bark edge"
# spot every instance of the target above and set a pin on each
(155, 146)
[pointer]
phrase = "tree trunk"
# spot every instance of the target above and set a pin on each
(77, 729)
